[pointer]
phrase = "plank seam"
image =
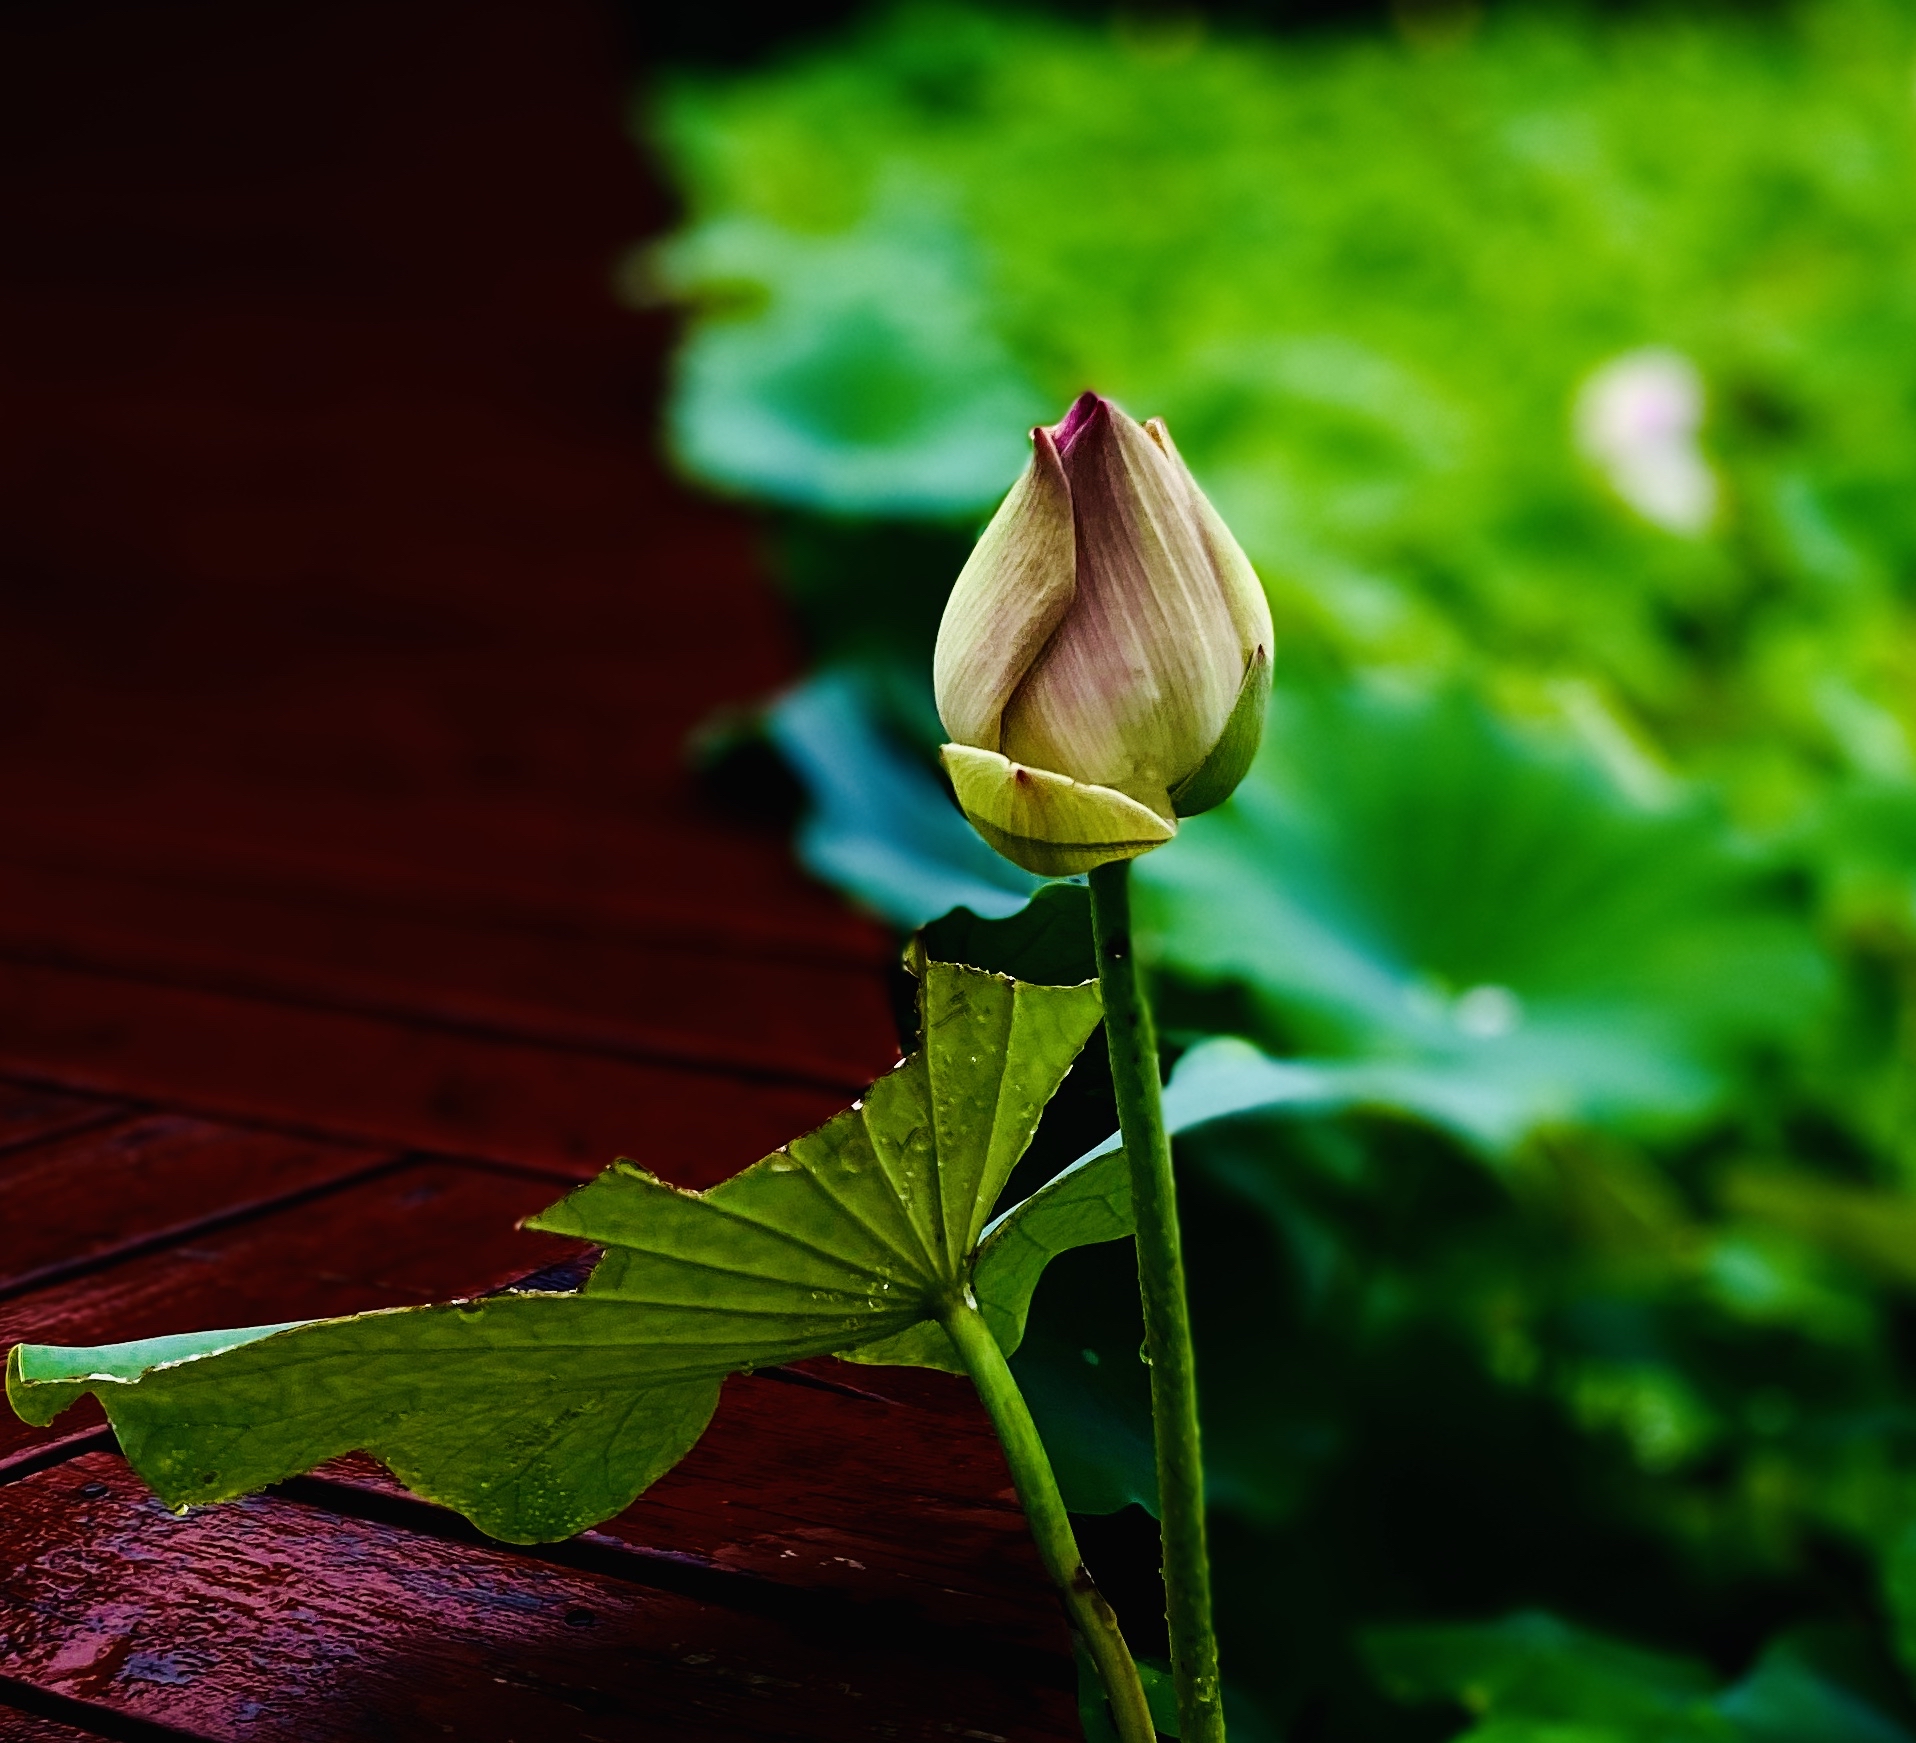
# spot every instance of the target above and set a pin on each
(66, 1270)
(88, 1716)
(81, 1125)
(819, 1383)
(30, 1461)
(810, 1611)
(646, 1047)
(240, 1120)
(390, 893)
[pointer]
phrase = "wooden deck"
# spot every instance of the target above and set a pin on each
(354, 899)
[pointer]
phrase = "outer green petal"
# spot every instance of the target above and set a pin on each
(1048, 823)
(1012, 593)
(1216, 778)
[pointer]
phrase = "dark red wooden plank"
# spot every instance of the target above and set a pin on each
(427, 1232)
(87, 1197)
(659, 992)
(861, 1496)
(335, 518)
(18, 1727)
(355, 634)
(29, 1113)
(267, 1618)
(386, 1080)
(672, 871)
(831, 1492)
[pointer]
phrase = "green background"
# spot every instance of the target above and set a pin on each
(1557, 1366)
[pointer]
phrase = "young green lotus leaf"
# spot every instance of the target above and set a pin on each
(533, 1415)
(887, 1199)
(538, 1414)
(1489, 923)
(1088, 1203)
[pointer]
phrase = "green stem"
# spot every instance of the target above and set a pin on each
(1167, 1314)
(1090, 1615)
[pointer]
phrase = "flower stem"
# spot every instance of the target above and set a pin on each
(1091, 1616)
(1167, 1314)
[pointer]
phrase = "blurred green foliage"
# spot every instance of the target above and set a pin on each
(1554, 1212)
(1365, 284)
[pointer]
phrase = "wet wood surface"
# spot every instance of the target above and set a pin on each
(389, 1632)
(355, 898)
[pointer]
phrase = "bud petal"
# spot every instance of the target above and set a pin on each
(1048, 823)
(1137, 683)
(1243, 593)
(1010, 596)
(1104, 663)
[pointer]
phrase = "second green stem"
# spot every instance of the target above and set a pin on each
(1091, 1616)
(1167, 1315)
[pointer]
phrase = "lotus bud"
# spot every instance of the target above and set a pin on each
(1105, 658)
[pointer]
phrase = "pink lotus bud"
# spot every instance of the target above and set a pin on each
(1104, 662)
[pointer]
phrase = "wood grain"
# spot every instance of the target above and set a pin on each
(266, 1618)
(385, 1079)
(844, 1495)
(30, 1113)
(662, 991)
(19, 1727)
(112, 1191)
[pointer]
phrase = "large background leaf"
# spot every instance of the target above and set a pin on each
(1405, 879)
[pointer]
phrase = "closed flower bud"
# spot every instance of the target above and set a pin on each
(1104, 662)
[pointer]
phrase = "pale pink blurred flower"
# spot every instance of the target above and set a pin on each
(1638, 419)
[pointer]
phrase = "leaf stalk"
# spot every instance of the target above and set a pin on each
(1093, 1618)
(1132, 1042)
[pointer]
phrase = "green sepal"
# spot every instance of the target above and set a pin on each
(1045, 821)
(1216, 778)
(1050, 859)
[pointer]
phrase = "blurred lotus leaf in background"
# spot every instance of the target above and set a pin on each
(862, 373)
(1405, 880)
